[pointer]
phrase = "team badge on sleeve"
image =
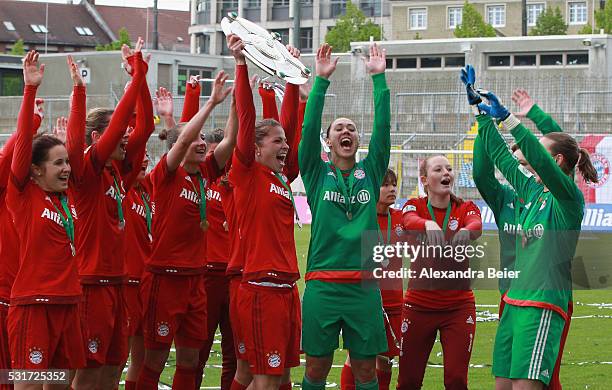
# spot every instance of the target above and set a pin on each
(409, 207)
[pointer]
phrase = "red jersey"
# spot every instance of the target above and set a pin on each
(180, 243)
(47, 268)
(138, 238)
(217, 236)
(435, 293)
(391, 289)
(236, 257)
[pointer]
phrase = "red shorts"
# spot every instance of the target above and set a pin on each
(234, 287)
(105, 324)
(133, 303)
(272, 338)
(174, 309)
(45, 336)
(393, 326)
(5, 355)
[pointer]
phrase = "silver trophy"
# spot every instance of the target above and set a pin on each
(265, 50)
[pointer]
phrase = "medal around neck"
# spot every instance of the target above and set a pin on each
(266, 50)
(204, 225)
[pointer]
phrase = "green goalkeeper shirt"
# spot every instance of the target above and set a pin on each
(343, 213)
(550, 220)
(502, 199)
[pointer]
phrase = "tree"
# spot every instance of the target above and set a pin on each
(550, 23)
(603, 18)
(472, 24)
(18, 48)
(124, 38)
(351, 27)
(586, 29)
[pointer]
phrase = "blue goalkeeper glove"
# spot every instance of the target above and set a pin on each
(468, 77)
(494, 108)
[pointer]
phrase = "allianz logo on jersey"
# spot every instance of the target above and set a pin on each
(112, 192)
(513, 229)
(363, 197)
(190, 196)
(279, 190)
(55, 217)
(212, 194)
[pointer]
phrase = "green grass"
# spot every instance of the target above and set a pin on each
(588, 348)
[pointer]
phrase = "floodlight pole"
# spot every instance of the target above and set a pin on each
(296, 23)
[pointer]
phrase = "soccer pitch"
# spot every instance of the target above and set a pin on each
(587, 362)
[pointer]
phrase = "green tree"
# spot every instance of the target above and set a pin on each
(351, 27)
(603, 18)
(124, 38)
(550, 22)
(586, 29)
(472, 24)
(18, 48)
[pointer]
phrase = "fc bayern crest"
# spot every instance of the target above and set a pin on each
(92, 345)
(453, 224)
(163, 329)
(274, 360)
(602, 166)
(359, 174)
(36, 356)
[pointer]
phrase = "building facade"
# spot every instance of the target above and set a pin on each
(316, 18)
(439, 18)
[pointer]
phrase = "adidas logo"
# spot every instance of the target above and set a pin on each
(469, 320)
(544, 374)
(510, 205)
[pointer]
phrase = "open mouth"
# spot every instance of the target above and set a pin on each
(445, 181)
(346, 143)
(281, 158)
(63, 179)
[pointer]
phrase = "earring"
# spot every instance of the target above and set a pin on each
(258, 153)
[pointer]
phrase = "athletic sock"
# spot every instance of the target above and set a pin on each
(308, 385)
(237, 385)
(285, 386)
(148, 379)
(384, 379)
(184, 378)
(347, 380)
(371, 385)
(130, 385)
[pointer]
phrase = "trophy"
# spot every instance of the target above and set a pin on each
(265, 50)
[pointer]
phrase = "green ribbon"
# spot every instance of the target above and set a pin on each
(147, 211)
(446, 217)
(67, 221)
(380, 236)
(119, 202)
(346, 192)
(202, 196)
(280, 178)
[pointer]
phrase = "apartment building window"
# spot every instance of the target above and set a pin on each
(455, 16)
(281, 3)
(337, 7)
(306, 40)
(533, 13)
(370, 7)
(185, 72)
(417, 19)
(202, 5)
(496, 15)
(577, 12)
(254, 4)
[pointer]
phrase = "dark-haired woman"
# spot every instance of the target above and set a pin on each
(432, 305)
(531, 327)
(174, 298)
(43, 320)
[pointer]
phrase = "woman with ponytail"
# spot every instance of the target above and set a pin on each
(439, 305)
(530, 333)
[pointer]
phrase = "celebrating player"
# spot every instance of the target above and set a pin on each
(268, 296)
(391, 227)
(531, 326)
(99, 194)
(43, 321)
(432, 305)
(177, 258)
(342, 196)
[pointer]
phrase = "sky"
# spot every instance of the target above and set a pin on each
(182, 5)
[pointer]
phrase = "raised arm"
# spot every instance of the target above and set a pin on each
(483, 171)
(164, 105)
(245, 148)
(223, 151)
(192, 129)
(22, 156)
(122, 114)
(293, 169)
(268, 102)
(191, 104)
(379, 150)
(309, 151)
(75, 127)
(527, 107)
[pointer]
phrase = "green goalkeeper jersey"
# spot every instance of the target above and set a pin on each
(550, 220)
(502, 199)
(343, 206)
